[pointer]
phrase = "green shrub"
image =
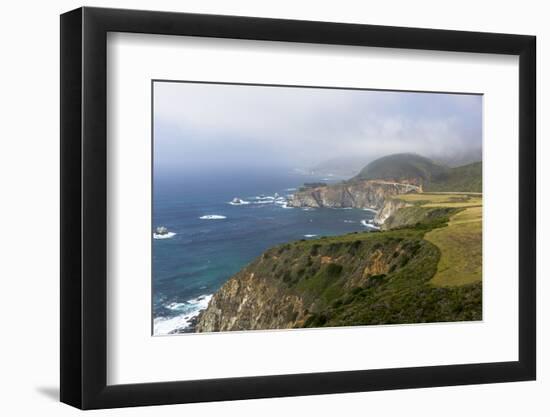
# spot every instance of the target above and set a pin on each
(315, 249)
(334, 270)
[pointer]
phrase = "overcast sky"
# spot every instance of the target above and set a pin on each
(205, 125)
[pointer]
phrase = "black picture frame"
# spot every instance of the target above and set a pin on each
(84, 207)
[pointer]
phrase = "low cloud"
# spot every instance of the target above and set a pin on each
(198, 125)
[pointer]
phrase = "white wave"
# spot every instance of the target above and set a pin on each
(291, 189)
(310, 235)
(371, 210)
(201, 300)
(239, 203)
(212, 217)
(176, 306)
(286, 206)
(367, 224)
(191, 309)
(349, 221)
(164, 235)
(263, 202)
(308, 208)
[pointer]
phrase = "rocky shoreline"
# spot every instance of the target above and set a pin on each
(365, 194)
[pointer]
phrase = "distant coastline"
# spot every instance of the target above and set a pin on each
(420, 240)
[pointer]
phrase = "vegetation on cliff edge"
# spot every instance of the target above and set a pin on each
(424, 267)
(369, 278)
(460, 241)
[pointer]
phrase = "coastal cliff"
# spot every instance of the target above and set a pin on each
(388, 177)
(366, 278)
(355, 279)
(389, 208)
(293, 285)
(362, 194)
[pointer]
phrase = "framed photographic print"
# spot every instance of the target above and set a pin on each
(258, 207)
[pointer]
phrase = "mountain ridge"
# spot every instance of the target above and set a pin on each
(387, 177)
(402, 167)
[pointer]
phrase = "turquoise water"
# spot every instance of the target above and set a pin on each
(204, 252)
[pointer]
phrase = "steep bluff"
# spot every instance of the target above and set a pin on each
(359, 278)
(388, 209)
(370, 194)
(355, 279)
(293, 283)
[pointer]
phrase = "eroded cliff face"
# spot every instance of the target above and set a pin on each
(355, 279)
(279, 290)
(371, 194)
(251, 301)
(291, 284)
(388, 209)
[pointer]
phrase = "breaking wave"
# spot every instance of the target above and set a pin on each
(369, 225)
(212, 217)
(189, 310)
(164, 235)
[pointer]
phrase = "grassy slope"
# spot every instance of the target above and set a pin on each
(461, 249)
(463, 178)
(339, 287)
(460, 241)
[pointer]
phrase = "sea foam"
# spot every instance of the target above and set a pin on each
(371, 226)
(212, 217)
(164, 235)
(190, 309)
(240, 203)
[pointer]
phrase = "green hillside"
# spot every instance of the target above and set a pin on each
(419, 170)
(459, 241)
(397, 288)
(467, 178)
(355, 279)
(403, 166)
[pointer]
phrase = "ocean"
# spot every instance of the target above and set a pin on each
(210, 237)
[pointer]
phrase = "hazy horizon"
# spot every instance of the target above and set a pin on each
(207, 126)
